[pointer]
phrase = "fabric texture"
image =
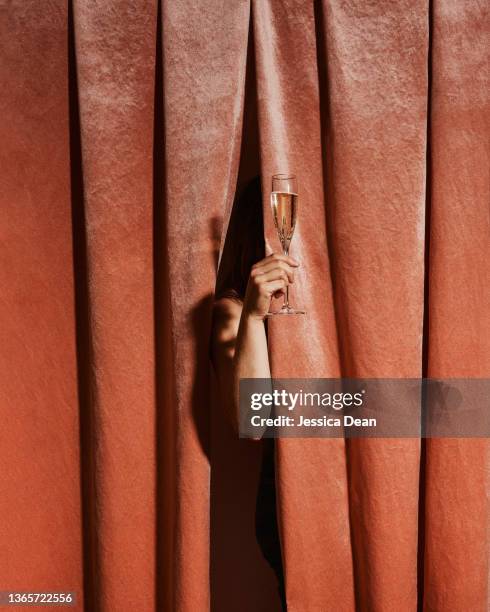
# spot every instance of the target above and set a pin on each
(123, 127)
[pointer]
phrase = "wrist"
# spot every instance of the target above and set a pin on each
(253, 318)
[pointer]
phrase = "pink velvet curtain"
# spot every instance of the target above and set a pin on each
(121, 149)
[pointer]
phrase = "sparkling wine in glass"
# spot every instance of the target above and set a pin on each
(284, 204)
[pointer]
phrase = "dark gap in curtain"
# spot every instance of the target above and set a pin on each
(248, 168)
(83, 338)
(249, 160)
(425, 323)
(249, 163)
(165, 427)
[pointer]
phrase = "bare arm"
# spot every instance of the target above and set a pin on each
(239, 343)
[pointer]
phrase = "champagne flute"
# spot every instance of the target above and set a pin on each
(284, 204)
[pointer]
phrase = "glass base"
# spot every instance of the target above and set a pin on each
(286, 310)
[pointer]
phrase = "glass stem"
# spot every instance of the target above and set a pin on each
(285, 306)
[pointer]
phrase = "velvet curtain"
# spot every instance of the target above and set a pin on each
(122, 144)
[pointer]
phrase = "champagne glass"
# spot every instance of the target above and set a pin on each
(284, 204)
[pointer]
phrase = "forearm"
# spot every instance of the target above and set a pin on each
(251, 359)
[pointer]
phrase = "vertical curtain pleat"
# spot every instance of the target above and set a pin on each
(312, 494)
(457, 512)
(204, 61)
(115, 65)
(40, 505)
(376, 62)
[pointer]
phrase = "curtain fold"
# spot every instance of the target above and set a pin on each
(115, 68)
(204, 65)
(40, 501)
(312, 494)
(457, 476)
(376, 58)
(121, 128)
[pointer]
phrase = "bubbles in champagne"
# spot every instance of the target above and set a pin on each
(284, 207)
